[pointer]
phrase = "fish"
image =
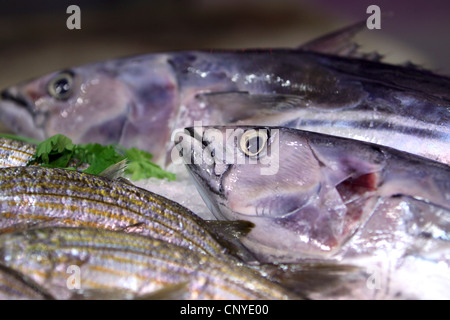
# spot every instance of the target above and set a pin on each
(324, 86)
(32, 196)
(72, 263)
(17, 286)
(14, 153)
(316, 197)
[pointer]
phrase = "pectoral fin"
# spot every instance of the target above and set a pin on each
(229, 233)
(115, 171)
(241, 106)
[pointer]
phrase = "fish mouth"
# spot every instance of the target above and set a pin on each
(16, 114)
(17, 99)
(191, 148)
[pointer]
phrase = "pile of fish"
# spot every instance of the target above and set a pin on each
(325, 170)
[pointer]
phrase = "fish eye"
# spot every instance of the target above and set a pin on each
(252, 142)
(60, 87)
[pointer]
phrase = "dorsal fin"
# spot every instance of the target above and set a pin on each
(341, 43)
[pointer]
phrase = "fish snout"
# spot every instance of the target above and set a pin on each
(188, 146)
(190, 131)
(15, 97)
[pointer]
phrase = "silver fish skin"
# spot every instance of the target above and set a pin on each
(36, 196)
(127, 100)
(108, 262)
(318, 197)
(17, 286)
(14, 153)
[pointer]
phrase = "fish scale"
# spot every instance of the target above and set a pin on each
(134, 264)
(15, 153)
(14, 285)
(63, 197)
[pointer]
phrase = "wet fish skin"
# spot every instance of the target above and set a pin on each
(15, 153)
(17, 286)
(127, 100)
(328, 175)
(135, 265)
(33, 195)
(334, 199)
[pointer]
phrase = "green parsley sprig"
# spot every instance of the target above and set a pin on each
(59, 151)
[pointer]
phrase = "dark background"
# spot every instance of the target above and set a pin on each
(34, 39)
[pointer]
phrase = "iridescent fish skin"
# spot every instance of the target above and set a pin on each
(17, 286)
(137, 266)
(139, 101)
(313, 196)
(35, 195)
(14, 153)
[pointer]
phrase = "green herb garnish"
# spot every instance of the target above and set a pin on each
(140, 166)
(99, 157)
(56, 151)
(59, 151)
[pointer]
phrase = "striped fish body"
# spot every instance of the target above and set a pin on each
(17, 286)
(14, 153)
(35, 196)
(69, 261)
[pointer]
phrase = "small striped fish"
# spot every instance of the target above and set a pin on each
(63, 260)
(14, 153)
(52, 196)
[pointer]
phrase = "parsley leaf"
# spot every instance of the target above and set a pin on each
(59, 151)
(56, 151)
(98, 157)
(140, 166)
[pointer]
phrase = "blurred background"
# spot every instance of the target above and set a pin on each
(34, 39)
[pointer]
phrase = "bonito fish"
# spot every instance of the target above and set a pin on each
(84, 262)
(34, 196)
(318, 197)
(139, 101)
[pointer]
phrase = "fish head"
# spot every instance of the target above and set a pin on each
(273, 178)
(72, 102)
(115, 101)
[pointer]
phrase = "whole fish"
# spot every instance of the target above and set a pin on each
(139, 101)
(79, 262)
(37, 196)
(312, 196)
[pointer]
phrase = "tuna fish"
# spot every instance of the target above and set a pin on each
(318, 197)
(139, 101)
